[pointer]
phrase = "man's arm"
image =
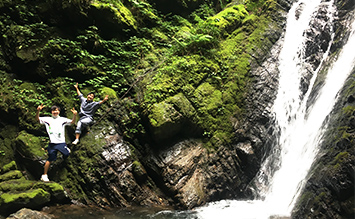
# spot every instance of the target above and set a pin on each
(104, 100)
(74, 115)
(77, 89)
(39, 108)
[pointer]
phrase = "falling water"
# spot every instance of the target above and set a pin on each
(301, 128)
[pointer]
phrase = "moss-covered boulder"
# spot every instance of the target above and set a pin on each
(14, 174)
(7, 135)
(10, 166)
(112, 16)
(17, 192)
(30, 146)
(33, 198)
(32, 152)
(230, 18)
(171, 117)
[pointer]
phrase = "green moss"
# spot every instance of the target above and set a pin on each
(120, 13)
(7, 154)
(108, 91)
(50, 187)
(348, 110)
(31, 146)
(159, 35)
(232, 46)
(207, 99)
(162, 114)
(10, 166)
(138, 170)
(177, 73)
(17, 185)
(182, 105)
(230, 18)
(341, 157)
(33, 197)
(14, 174)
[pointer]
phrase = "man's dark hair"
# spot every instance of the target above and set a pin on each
(91, 93)
(54, 108)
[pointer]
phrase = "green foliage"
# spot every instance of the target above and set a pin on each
(204, 57)
(130, 119)
(23, 97)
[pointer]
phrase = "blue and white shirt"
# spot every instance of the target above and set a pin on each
(87, 108)
(55, 128)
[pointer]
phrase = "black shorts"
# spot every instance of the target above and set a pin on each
(54, 148)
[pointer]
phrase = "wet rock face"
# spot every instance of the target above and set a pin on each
(318, 39)
(124, 180)
(329, 192)
(193, 176)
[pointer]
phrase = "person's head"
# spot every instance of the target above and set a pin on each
(91, 96)
(55, 110)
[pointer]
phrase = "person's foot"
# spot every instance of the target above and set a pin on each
(76, 141)
(44, 178)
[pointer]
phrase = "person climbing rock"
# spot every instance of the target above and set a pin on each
(55, 126)
(88, 108)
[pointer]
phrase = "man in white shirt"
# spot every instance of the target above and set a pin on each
(55, 126)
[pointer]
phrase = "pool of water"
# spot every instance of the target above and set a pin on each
(85, 212)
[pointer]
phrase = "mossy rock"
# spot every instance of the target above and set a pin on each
(229, 19)
(16, 185)
(30, 146)
(8, 134)
(34, 198)
(56, 190)
(108, 91)
(14, 174)
(114, 13)
(182, 104)
(10, 166)
(165, 120)
(139, 172)
(208, 99)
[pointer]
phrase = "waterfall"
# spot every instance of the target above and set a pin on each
(301, 125)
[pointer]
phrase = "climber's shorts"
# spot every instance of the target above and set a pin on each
(54, 148)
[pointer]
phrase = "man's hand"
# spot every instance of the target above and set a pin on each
(104, 100)
(74, 111)
(40, 107)
(74, 115)
(77, 88)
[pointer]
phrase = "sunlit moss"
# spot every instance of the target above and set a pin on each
(119, 11)
(229, 18)
(36, 196)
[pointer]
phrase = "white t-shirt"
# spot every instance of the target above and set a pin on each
(55, 128)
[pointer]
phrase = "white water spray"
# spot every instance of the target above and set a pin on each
(301, 128)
